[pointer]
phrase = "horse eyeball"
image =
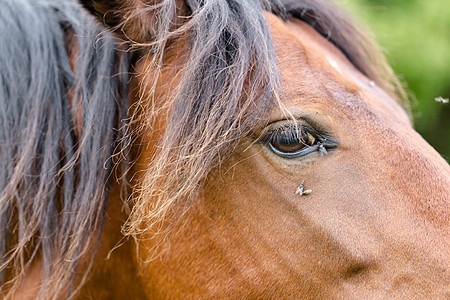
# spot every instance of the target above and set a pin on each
(289, 140)
(287, 146)
(311, 139)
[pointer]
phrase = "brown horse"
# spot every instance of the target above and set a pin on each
(265, 150)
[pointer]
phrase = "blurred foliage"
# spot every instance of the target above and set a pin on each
(415, 35)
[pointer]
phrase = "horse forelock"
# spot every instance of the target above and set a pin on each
(53, 184)
(230, 55)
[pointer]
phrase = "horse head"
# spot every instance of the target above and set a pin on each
(294, 172)
(273, 157)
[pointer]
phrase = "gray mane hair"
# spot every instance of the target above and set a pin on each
(54, 176)
(53, 183)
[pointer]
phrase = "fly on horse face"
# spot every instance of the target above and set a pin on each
(210, 149)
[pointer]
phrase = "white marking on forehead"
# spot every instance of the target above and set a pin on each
(334, 65)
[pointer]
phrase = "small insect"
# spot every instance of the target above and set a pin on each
(307, 192)
(322, 149)
(441, 99)
(300, 190)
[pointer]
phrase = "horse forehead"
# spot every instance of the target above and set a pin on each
(313, 70)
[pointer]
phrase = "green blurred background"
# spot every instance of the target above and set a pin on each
(415, 35)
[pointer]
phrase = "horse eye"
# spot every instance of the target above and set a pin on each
(290, 142)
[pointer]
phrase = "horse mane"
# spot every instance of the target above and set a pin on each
(54, 184)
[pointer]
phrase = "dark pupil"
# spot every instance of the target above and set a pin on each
(288, 141)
